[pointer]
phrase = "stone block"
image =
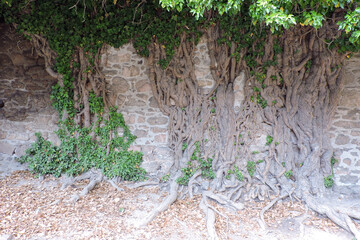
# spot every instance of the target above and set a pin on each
(162, 153)
(133, 102)
(349, 179)
(143, 86)
(140, 133)
(141, 119)
(119, 58)
(52, 137)
(16, 114)
(239, 82)
(341, 171)
(342, 139)
(7, 72)
(2, 134)
(205, 83)
(143, 96)
(350, 98)
(18, 136)
(20, 98)
(7, 148)
(35, 70)
(135, 148)
(347, 161)
(108, 72)
(21, 60)
(153, 103)
(120, 100)
(5, 60)
(353, 114)
(158, 130)
(355, 154)
(355, 133)
(130, 71)
(39, 101)
(119, 85)
(130, 119)
(42, 121)
(342, 124)
(151, 167)
(21, 149)
(147, 149)
(157, 120)
(161, 138)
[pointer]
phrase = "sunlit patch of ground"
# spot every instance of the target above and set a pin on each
(35, 209)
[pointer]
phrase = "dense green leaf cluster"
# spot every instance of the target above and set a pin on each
(196, 162)
(279, 14)
(79, 151)
(68, 26)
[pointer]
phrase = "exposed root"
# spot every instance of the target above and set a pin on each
(210, 211)
(339, 217)
(210, 218)
(114, 185)
(142, 184)
(262, 222)
(95, 177)
(192, 181)
(174, 186)
(223, 200)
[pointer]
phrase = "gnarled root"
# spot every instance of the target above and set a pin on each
(261, 221)
(210, 211)
(210, 218)
(338, 215)
(174, 186)
(114, 184)
(142, 184)
(95, 177)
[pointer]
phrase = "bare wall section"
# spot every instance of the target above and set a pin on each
(25, 90)
(345, 130)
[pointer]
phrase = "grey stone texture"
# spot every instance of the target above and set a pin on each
(129, 87)
(25, 90)
(345, 130)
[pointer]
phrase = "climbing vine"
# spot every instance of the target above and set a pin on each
(71, 37)
(78, 153)
(288, 59)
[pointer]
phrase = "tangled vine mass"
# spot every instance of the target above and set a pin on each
(290, 57)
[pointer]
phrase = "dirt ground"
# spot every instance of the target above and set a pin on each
(31, 208)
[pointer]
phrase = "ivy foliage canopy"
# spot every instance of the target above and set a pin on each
(278, 14)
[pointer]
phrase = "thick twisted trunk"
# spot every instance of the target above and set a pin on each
(290, 98)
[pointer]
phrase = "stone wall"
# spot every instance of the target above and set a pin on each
(25, 90)
(129, 88)
(128, 83)
(345, 130)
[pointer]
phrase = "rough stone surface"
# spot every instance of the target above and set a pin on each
(346, 129)
(133, 96)
(25, 90)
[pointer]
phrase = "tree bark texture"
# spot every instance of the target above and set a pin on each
(301, 89)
